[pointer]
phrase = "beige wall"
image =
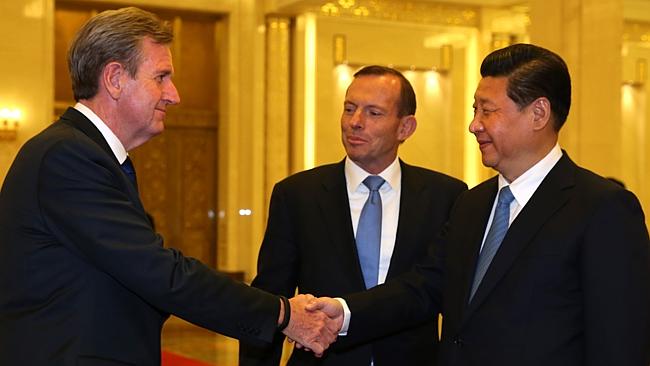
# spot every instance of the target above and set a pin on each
(635, 134)
(26, 50)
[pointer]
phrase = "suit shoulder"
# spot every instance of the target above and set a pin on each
(596, 188)
(57, 136)
(314, 176)
(592, 184)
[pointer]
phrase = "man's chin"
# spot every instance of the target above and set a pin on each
(488, 162)
(157, 129)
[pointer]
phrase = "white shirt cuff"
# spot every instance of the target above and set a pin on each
(346, 317)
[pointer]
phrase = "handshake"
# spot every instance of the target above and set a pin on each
(314, 322)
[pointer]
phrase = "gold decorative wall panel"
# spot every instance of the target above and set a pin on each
(405, 11)
(277, 101)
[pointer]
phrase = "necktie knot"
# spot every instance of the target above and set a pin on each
(373, 182)
(505, 196)
(127, 166)
(129, 170)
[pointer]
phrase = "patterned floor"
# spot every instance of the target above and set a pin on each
(182, 339)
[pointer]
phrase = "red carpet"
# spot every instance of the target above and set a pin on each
(172, 359)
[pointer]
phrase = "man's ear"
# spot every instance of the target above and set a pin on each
(541, 108)
(407, 126)
(112, 79)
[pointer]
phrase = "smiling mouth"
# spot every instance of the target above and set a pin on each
(355, 140)
(483, 143)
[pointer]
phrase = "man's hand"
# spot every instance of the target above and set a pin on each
(331, 307)
(312, 329)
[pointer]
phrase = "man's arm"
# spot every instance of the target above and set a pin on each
(396, 305)
(105, 227)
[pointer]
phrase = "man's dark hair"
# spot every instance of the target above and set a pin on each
(532, 72)
(406, 104)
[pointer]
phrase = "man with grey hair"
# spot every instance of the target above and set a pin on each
(84, 278)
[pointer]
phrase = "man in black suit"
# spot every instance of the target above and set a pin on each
(567, 283)
(84, 279)
(314, 219)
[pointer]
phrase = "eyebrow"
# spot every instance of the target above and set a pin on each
(482, 100)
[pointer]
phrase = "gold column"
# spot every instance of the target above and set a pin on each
(277, 102)
(588, 35)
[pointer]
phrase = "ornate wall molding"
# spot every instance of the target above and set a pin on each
(404, 11)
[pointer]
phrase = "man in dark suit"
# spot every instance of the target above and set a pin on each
(314, 219)
(567, 283)
(84, 279)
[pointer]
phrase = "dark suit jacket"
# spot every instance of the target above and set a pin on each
(569, 286)
(84, 280)
(309, 244)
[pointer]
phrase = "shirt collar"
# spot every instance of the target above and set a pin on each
(525, 186)
(116, 146)
(354, 176)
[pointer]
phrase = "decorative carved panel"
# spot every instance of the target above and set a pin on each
(177, 176)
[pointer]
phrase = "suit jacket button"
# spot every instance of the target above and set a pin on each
(459, 342)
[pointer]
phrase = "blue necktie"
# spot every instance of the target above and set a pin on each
(494, 237)
(129, 170)
(369, 232)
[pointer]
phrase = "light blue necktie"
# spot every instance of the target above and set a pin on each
(494, 237)
(369, 232)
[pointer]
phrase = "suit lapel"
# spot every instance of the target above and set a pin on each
(550, 196)
(411, 210)
(481, 207)
(335, 208)
(77, 120)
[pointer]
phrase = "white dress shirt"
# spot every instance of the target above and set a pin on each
(525, 185)
(116, 146)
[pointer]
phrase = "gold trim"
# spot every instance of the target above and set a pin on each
(405, 11)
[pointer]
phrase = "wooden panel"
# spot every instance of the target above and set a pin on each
(196, 69)
(66, 23)
(177, 180)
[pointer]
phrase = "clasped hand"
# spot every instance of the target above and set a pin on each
(314, 323)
